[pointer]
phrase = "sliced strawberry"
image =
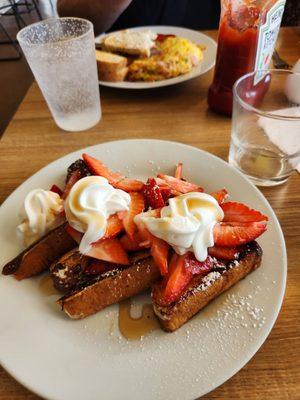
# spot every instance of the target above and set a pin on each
(181, 270)
(77, 236)
(55, 189)
(131, 243)
(224, 253)
(152, 194)
(109, 250)
(180, 185)
(166, 194)
(231, 234)
(96, 267)
(121, 214)
(164, 186)
(239, 212)
(145, 235)
(98, 168)
(74, 177)
(129, 185)
(220, 195)
(197, 267)
(114, 178)
(113, 228)
(178, 171)
(159, 252)
(136, 206)
(161, 183)
(178, 279)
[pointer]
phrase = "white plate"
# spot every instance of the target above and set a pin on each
(197, 37)
(88, 359)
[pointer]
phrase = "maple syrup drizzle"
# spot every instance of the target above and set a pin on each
(46, 286)
(135, 328)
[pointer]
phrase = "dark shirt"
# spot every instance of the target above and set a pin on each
(194, 14)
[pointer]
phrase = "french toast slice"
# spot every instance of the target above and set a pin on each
(115, 285)
(201, 290)
(38, 256)
(67, 272)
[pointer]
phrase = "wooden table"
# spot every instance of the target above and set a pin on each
(180, 113)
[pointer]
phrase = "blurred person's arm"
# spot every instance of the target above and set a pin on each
(103, 13)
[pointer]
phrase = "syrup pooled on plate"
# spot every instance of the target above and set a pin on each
(46, 286)
(135, 328)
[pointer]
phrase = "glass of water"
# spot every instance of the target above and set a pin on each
(265, 136)
(61, 54)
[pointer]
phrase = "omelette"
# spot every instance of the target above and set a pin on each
(171, 57)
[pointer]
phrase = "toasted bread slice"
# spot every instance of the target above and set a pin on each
(132, 42)
(111, 287)
(110, 62)
(202, 290)
(116, 76)
(72, 270)
(38, 257)
(111, 67)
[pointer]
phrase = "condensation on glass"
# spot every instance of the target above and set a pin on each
(61, 54)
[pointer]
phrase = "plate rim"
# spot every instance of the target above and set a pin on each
(284, 262)
(164, 82)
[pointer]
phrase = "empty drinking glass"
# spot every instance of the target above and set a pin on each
(265, 136)
(61, 54)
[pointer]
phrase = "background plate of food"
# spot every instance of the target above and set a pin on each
(153, 56)
(89, 358)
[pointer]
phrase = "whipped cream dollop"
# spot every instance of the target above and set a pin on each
(187, 223)
(88, 206)
(41, 212)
